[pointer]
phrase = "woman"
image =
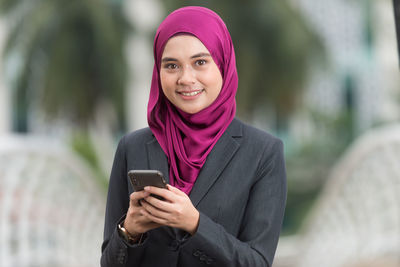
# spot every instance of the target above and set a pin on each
(227, 186)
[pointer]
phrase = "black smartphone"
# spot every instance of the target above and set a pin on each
(141, 178)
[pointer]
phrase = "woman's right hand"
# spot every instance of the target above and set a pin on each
(135, 223)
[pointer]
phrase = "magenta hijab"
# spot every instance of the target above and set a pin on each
(187, 139)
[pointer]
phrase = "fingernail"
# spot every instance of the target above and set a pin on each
(146, 188)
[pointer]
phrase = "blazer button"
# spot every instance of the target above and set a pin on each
(175, 245)
(203, 257)
(197, 253)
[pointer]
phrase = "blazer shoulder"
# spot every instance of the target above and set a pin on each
(257, 136)
(263, 148)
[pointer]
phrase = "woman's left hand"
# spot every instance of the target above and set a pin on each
(175, 211)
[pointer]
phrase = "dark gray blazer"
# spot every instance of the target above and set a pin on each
(240, 194)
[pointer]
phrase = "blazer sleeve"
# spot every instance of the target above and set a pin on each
(258, 238)
(114, 248)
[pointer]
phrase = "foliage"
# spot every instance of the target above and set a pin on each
(274, 50)
(82, 144)
(67, 55)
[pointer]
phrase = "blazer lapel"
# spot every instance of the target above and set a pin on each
(217, 160)
(157, 158)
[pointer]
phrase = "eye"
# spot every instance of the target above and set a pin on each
(170, 66)
(201, 62)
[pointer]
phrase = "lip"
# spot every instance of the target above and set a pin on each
(185, 94)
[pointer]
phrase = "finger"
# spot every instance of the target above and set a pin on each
(175, 190)
(151, 217)
(143, 220)
(153, 210)
(148, 223)
(134, 202)
(134, 212)
(136, 196)
(166, 194)
(160, 204)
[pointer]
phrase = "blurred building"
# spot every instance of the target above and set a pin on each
(51, 208)
(5, 100)
(145, 15)
(362, 77)
(356, 220)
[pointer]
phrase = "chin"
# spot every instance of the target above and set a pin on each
(191, 110)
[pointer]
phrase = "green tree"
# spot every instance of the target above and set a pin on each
(67, 55)
(274, 48)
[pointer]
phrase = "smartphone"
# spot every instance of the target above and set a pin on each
(141, 178)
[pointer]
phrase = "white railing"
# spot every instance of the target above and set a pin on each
(356, 221)
(51, 209)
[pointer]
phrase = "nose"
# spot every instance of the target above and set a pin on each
(187, 76)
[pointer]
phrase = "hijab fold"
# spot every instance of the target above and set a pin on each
(187, 139)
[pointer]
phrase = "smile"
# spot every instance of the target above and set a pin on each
(193, 93)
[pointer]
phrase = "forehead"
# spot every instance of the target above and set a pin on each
(184, 44)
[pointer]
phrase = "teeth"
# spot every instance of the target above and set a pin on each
(192, 93)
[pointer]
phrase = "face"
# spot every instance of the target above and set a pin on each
(190, 79)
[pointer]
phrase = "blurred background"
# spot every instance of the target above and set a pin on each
(321, 75)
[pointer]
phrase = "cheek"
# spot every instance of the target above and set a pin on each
(166, 82)
(215, 82)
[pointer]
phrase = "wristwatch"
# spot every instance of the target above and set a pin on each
(127, 236)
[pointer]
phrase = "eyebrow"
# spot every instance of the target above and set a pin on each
(201, 55)
(168, 59)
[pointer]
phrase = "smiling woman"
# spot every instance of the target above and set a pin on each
(225, 200)
(189, 77)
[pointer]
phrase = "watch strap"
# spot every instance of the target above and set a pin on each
(127, 236)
